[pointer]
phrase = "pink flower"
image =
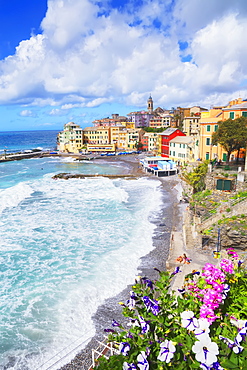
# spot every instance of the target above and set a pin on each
(227, 266)
(218, 287)
(212, 299)
(212, 273)
(207, 313)
(232, 253)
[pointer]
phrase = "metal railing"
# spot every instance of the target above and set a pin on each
(69, 352)
(231, 203)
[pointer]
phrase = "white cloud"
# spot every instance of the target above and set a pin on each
(57, 112)
(27, 113)
(83, 59)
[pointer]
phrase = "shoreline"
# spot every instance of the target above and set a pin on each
(167, 221)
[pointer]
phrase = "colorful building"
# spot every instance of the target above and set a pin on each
(149, 142)
(183, 149)
(164, 139)
(133, 138)
(115, 120)
(209, 124)
(163, 120)
(70, 140)
(235, 109)
(96, 135)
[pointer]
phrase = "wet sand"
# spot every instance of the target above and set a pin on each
(169, 220)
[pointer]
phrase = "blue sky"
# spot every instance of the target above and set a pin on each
(80, 60)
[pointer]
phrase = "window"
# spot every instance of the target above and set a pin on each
(216, 127)
(208, 128)
(207, 155)
(207, 141)
(231, 115)
(183, 145)
(173, 154)
(244, 114)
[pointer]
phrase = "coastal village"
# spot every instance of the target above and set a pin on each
(182, 135)
(211, 220)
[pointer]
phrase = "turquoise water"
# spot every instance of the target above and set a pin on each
(15, 141)
(65, 246)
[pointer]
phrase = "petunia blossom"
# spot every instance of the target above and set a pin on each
(233, 344)
(147, 282)
(132, 301)
(144, 325)
(205, 350)
(167, 350)
(151, 304)
(142, 361)
(202, 329)
(127, 366)
(214, 366)
(124, 348)
(188, 320)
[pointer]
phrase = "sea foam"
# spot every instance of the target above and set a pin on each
(69, 245)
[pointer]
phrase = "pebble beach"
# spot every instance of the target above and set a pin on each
(169, 220)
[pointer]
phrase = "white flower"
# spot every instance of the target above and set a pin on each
(144, 325)
(127, 366)
(188, 320)
(234, 345)
(124, 348)
(240, 324)
(202, 329)
(142, 361)
(167, 350)
(206, 350)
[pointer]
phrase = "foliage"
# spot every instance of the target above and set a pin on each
(196, 178)
(202, 195)
(154, 129)
(231, 135)
(240, 194)
(203, 328)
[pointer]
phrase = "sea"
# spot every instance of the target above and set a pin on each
(65, 247)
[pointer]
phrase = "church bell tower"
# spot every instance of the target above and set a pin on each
(150, 104)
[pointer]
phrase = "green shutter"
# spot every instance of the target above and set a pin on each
(207, 156)
(231, 115)
(224, 157)
(244, 114)
(223, 184)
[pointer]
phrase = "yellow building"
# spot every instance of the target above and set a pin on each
(133, 138)
(236, 108)
(96, 135)
(208, 125)
(70, 140)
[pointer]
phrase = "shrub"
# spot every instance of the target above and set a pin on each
(204, 328)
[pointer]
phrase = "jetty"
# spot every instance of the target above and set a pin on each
(67, 176)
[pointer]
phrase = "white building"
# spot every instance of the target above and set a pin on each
(183, 149)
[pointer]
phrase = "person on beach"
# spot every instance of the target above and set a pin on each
(183, 259)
